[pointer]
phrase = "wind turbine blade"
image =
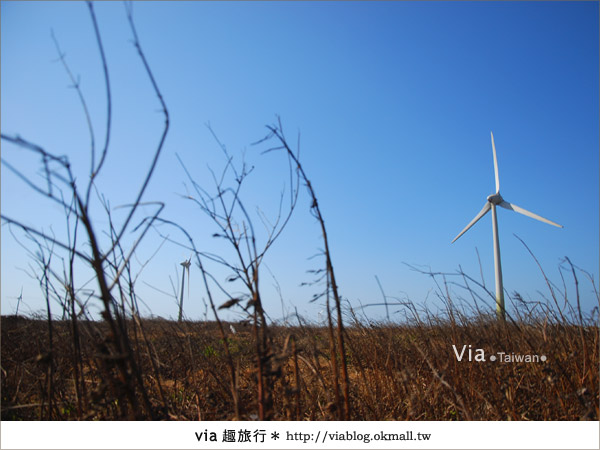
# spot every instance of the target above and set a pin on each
(482, 213)
(495, 164)
(520, 210)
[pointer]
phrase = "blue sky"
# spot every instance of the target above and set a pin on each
(394, 102)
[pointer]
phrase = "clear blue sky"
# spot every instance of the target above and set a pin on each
(394, 101)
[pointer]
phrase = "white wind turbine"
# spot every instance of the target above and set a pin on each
(186, 266)
(491, 203)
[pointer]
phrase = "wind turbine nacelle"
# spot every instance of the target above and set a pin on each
(495, 199)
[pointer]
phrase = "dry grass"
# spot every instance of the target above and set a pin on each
(396, 372)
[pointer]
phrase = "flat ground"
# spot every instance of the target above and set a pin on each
(395, 372)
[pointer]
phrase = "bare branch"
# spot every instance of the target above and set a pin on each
(97, 169)
(129, 10)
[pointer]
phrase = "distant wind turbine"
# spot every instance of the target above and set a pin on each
(186, 266)
(491, 203)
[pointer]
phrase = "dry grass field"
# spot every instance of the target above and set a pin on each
(395, 372)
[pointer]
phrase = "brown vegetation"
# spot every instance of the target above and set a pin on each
(395, 372)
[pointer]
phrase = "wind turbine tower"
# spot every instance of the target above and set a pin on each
(186, 266)
(492, 201)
